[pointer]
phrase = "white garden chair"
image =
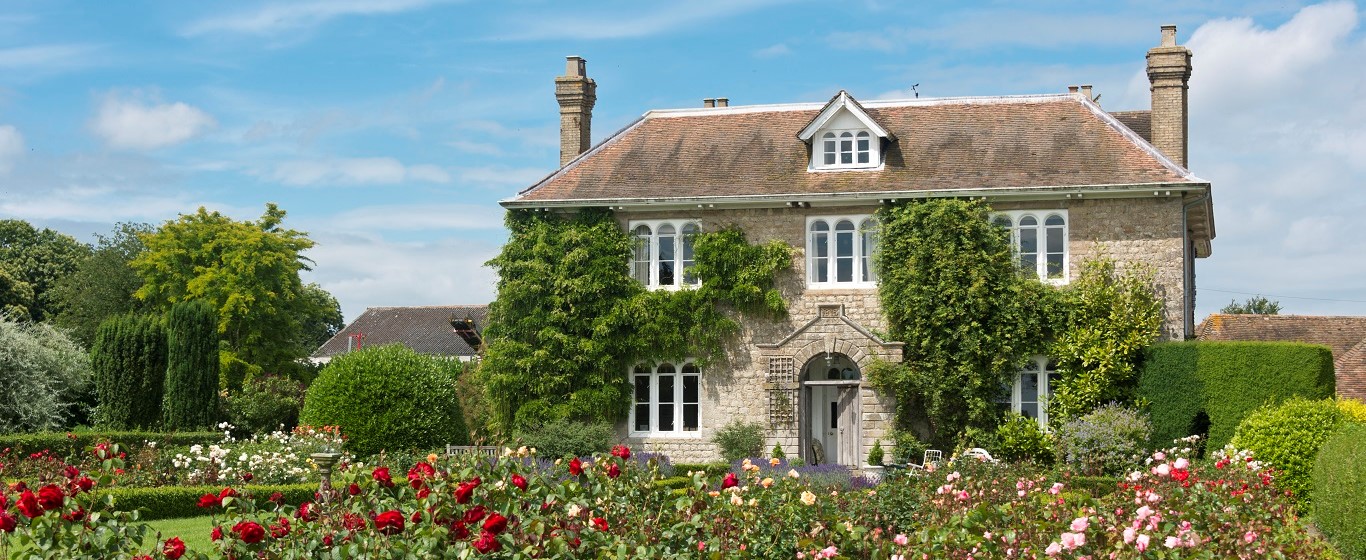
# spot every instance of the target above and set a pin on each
(933, 458)
(980, 454)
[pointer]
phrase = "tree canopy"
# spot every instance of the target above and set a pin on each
(103, 285)
(38, 258)
(1255, 305)
(247, 271)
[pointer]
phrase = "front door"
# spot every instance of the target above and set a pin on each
(825, 421)
(830, 429)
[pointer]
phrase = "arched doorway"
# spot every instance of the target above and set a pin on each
(830, 410)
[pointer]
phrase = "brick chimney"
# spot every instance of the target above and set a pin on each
(1169, 72)
(576, 93)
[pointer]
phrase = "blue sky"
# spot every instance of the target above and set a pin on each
(389, 129)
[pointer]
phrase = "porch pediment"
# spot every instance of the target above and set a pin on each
(832, 331)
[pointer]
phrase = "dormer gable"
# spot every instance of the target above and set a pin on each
(843, 136)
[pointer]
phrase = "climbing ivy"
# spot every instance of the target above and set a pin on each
(569, 320)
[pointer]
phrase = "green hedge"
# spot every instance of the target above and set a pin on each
(173, 502)
(1340, 490)
(1227, 381)
(674, 482)
(70, 444)
(712, 469)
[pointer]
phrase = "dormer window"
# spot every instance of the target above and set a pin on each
(843, 136)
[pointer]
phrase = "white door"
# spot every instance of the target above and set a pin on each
(848, 431)
(825, 421)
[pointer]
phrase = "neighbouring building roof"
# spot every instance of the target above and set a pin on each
(425, 329)
(1345, 335)
(1015, 142)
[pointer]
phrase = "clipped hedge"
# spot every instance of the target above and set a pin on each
(1288, 437)
(712, 469)
(1340, 490)
(70, 444)
(174, 502)
(1227, 381)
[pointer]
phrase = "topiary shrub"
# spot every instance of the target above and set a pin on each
(191, 366)
(777, 452)
(265, 404)
(740, 439)
(129, 359)
(558, 439)
(1287, 437)
(875, 454)
(1022, 440)
(1339, 493)
(387, 397)
(1110, 440)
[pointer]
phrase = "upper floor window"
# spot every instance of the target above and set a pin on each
(1040, 241)
(840, 251)
(844, 136)
(1030, 390)
(847, 149)
(666, 399)
(663, 256)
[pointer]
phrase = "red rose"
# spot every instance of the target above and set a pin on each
(4, 500)
(216, 534)
(474, 514)
(416, 517)
(353, 489)
(174, 548)
(227, 493)
(85, 484)
(353, 522)
(210, 500)
(613, 470)
(621, 451)
(423, 492)
(465, 490)
(600, 523)
(74, 515)
(381, 475)
(575, 467)
(307, 512)
(250, 532)
(246, 477)
(420, 472)
(279, 530)
(28, 505)
(1181, 475)
(519, 482)
(459, 530)
(7, 522)
(327, 540)
(730, 481)
(488, 542)
(496, 523)
(71, 472)
(389, 522)
(51, 497)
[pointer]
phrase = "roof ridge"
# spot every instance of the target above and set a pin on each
(870, 104)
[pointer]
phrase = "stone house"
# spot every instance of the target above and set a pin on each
(1344, 335)
(1068, 178)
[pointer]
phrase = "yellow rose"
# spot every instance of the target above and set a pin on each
(808, 498)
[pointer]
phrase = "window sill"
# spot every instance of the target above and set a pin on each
(666, 435)
(843, 286)
(672, 288)
(838, 168)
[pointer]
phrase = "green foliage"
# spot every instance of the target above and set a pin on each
(40, 259)
(233, 373)
(875, 454)
(950, 290)
(1288, 437)
(45, 378)
(708, 469)
(558, 439)
(129, 360)
(1353, 409)
(322, 319)
(72, 444)
(103, 285)
(174, 502)
(1022, 440)
(907, 448)
(739, 439)
(1111, 320)
(475, 405)
(16, 297)
(1110, 440)
(265, 404)
(192, 366)
(387, 397)
(1226, 381)
(1257, 305)
(569, 321)
(247, 271)
(777, 452)
(1339, 494)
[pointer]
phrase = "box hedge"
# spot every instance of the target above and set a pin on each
(71, 444)
(1189, 384)
(174, 502)
(1340, 490)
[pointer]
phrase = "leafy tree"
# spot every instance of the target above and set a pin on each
(129, 359)
(247, 271)
(1256, 305)
(192, 367)
(323, 318)
(103, 285)
(951, 292)
(1111, 319)
(16, 297)
(39, 258)
(44, 377)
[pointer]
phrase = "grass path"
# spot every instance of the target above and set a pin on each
(193, 530)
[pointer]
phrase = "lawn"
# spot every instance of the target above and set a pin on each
(193, 530)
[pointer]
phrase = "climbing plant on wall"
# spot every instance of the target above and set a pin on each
(569, 320)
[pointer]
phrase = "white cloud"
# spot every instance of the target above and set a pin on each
(11, 147)
(140, 125)
(355, 171)
(419, 217)
(273, 18)
(44, 56)
(773, 51)
(501, 176)
(624, 23)
(981, 29)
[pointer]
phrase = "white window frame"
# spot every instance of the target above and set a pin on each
(818, 149)
(1045, 393)
(1042, 229)
(678, 260)
(679, 431)
(861, 250)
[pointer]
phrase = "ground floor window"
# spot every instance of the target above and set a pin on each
(1032, 387)
(665, 400)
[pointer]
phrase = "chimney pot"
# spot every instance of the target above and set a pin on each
(576, 94)
(1086, 90)
(709, 102)
(1071, 89)
(723, 102)
(1169, 35)
(575, 66)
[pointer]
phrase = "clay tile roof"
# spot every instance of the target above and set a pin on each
(426, 330)
(941, 144)
(1344, 335)
(1137, 121)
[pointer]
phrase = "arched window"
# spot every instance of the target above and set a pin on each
(863, 147)
(829, 148)
(1031, 389)
(690, 231)
(845, 149)
(664, 253)
(820, 252)
(844, 251)
(842, 256)
(1055, 246)
(666, 400)
(640, 265)
(1040, 248)
(868, 238)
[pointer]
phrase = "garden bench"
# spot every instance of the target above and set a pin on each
(485, 450)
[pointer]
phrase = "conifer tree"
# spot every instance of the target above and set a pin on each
(192, 367)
